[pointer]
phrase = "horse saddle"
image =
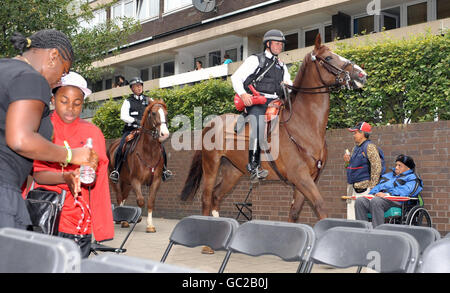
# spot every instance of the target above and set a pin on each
(130, 137)
(272, 111)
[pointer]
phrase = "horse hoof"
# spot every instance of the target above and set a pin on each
(125, 225)
(207, 250)
(139, 220)
(150, 230)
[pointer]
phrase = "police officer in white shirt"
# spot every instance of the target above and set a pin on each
(266, 73)
(131, 113)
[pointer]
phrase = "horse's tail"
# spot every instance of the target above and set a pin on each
(193, 180)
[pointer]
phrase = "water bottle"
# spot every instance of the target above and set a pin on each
(87, 174)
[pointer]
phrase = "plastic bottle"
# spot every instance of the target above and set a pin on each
(87, 174)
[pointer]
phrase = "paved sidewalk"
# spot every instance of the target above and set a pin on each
(152, 246)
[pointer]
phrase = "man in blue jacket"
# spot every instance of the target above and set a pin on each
(403, 181)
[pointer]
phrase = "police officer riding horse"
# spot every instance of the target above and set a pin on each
(267, 74)
(131, 113)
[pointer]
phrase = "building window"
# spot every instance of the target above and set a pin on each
(171, 5)
(129, 9)
(169, 68)
(108, 83)
(215, 58)
(291, 42)
(156, 71)
(146, 9)
(390, 19)
(417, 13)
(232, 53)
(363, 25)
(144, 74)
(310, 37)
(443, 9)
(97, 86)
(328, 33)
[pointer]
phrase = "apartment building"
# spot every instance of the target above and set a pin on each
(177, 33)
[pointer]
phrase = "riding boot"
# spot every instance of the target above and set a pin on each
(115, 174)
(166, 173)
(254, 165)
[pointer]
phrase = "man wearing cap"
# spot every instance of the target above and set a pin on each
(402, 181)
(131, 113)
(266, 73)
(364, 165)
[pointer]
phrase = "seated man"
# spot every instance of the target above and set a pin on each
(403, 181)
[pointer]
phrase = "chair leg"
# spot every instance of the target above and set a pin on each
(166, 253)
(120, 249)
(225, 261)
(300, 267)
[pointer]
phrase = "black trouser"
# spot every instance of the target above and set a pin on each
(119, 155)
(83, 241)
(256, 116)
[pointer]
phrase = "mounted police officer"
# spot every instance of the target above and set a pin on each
(266, 73)
(131, 113)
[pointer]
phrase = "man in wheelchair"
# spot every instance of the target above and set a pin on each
(402, 181)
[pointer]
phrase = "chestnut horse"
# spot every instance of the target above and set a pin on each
(144, 162)
(301, 138)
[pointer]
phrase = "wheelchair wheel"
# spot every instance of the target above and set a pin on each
(418, 216)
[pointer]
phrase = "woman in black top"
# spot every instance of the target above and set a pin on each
(25, 128)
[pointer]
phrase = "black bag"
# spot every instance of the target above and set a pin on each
(45, 207)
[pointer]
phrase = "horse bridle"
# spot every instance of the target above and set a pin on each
(342, 77)
(153, 131)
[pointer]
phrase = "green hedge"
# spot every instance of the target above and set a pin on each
(409, 80)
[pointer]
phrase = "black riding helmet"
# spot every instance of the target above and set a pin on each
(273, 35)
(136, 80)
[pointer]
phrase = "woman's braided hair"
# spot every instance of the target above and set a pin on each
(44, 39)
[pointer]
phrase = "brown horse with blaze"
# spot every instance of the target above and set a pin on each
(144, 163)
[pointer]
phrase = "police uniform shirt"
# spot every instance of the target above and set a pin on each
(249, 67)
(125, 114)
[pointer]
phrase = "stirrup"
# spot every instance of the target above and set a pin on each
(114, 176)
(257, 173)
(166, 175)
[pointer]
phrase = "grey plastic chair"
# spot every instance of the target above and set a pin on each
(193, 231)
(382, 250)
(114, 263)
(436, 257)
(325, 224)
(32, 252)
(289, 241)
(130, 214)
(424, 235)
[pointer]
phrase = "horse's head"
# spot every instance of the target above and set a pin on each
(155, 120)
(336, 70)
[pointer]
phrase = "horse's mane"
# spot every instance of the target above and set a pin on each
(150, 106)
(301, 71)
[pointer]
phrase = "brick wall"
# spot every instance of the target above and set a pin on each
(428, 143)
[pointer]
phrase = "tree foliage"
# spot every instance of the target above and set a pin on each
(90, 44)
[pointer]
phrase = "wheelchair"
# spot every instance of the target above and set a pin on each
(412, 212)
